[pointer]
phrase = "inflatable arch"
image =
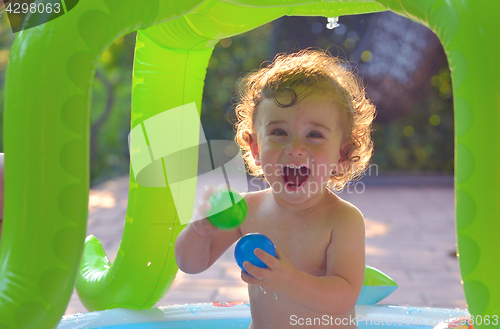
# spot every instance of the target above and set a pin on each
(47, 104)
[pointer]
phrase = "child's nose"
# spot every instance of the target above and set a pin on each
(296, 148)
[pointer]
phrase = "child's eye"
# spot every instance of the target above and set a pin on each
(314, 134)
(279, 132)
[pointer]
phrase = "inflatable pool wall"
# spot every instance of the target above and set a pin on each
(237, 315)
(46, 121)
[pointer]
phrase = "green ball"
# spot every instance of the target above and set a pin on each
(229, 209)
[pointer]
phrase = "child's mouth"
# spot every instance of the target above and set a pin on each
(294, 177)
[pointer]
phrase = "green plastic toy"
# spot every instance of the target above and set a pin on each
(229, 209)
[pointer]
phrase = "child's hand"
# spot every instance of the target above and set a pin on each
(203, 226)
(278, 277)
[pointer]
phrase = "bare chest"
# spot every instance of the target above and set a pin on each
(303, 240)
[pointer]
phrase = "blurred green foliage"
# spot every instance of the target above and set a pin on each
(232, 58)
(111, 156)
(419, 141)
(6, 39)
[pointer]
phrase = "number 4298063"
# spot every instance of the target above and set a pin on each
(18, 8)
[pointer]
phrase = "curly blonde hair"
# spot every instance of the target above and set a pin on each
(310, 70)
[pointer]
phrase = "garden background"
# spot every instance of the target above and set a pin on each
(402, 65)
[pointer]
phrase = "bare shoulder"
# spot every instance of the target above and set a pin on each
(346, 251)
(256, 212)
(255, 198)
(348, 214)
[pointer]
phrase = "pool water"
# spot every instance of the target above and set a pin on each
(201, 324)
(237, 315)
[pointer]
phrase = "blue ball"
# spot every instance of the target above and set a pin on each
(244, 250)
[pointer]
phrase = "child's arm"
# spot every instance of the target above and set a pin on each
(196, 251)
(335, 293)
(200, 244)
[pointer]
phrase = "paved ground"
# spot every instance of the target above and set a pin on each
(410, 235)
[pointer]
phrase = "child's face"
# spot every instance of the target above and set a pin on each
(307, 135)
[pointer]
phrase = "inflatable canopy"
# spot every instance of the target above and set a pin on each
(47, 104)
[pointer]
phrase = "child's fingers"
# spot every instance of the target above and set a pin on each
(199, 213)
(208, 190)
(266, 258)
(249, 279)
(279, 254)
(255, 271)
(203, 207)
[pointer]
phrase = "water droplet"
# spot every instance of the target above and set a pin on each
(333, 22)
(149, 263)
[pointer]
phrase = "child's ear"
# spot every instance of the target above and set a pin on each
(344, 152)
(254, 148)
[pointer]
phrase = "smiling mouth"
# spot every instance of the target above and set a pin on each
(295, 176)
